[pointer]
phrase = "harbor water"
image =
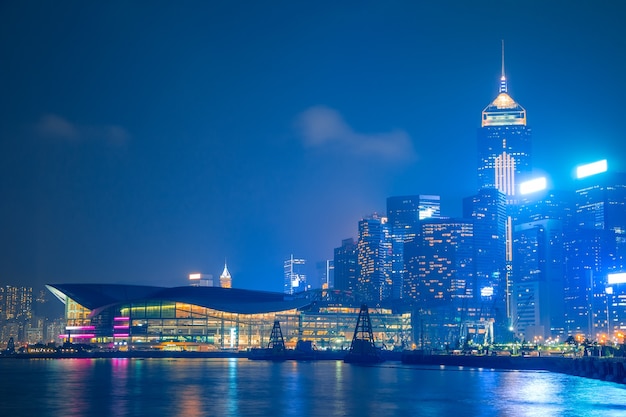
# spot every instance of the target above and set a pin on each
(240, 387)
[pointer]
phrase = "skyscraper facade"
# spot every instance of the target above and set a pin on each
(294, 275)
(16, 302)
(487, 210)
(324, 274)
(201, 280)
(543, 224)
(440, 268)
(374, 251)
(404, 214)
(345, 263)
(596, 250)
(538, 280)
(504, 159)
(504, 143)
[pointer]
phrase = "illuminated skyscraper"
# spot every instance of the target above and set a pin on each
(374, 259)
(200, 280)
(504, 159)
(440, 267)
(295, 275)
(487, 209)
(404, 214)
(17, 302)
(597, 249)
(504, 143)
(538, 280)
(543, 223)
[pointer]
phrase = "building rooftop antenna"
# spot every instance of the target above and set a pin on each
(503, 86)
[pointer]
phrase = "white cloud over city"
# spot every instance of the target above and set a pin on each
(57, 127)
(324, 127)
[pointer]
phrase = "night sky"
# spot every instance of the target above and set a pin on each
(142, 141)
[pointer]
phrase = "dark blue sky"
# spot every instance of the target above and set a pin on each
(142, 141)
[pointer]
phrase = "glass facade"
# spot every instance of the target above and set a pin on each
(345, 265)
(503, 157)
(160, 324)
(374, 251)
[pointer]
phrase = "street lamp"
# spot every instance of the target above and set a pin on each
(608, 291)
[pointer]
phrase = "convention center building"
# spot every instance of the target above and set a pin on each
(216, 318)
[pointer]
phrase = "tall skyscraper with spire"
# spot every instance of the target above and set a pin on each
(504, 160)
(504, 143)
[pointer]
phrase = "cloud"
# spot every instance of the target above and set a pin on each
(53, 126)
(321, 126)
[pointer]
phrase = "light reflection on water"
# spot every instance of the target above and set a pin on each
(238, 387)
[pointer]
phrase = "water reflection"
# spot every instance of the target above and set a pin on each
(294, 397)
(232, 406)
(119, 387)
(70, 392)
(235, 387)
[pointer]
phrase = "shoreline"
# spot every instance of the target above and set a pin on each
(601, 368)
(150, 354)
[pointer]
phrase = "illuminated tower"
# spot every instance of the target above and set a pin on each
(295, 275)
(374, 259)
(597, 251)
(538, 271)
(441, 269)
(504, 143)
(487, 209)
(404, 214)
(226, 280)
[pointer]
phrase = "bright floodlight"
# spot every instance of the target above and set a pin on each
(593, 168)
(618, 278)
(532, 186)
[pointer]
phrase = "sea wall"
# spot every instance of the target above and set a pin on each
(606, 369)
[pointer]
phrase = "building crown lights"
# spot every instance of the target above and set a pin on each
(593, 168)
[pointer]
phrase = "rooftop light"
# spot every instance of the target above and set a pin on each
(593, 168)
(533, 185)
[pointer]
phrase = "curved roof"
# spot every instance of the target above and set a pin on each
(97, 297)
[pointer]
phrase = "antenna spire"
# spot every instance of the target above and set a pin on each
(502, 58)
(503, 86)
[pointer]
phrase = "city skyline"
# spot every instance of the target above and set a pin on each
(155, 155)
